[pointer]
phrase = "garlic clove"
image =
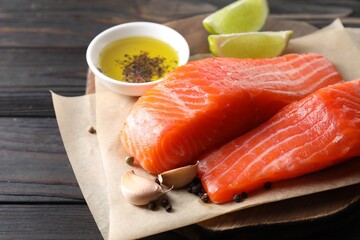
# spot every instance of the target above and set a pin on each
(139, 190)
(179, 177)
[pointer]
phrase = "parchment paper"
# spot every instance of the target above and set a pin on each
(334, 42)
(98, 160)
(74, 115)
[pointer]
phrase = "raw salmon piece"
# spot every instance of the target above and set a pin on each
(211, 101)
(319, 131)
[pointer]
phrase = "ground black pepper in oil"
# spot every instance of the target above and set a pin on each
(143, 68)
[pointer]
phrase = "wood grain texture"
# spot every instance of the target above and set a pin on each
(42, 48)
(34, 164)
(47, 221)
(28, 74)
(69, 23)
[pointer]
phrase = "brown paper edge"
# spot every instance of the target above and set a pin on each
(83, 151)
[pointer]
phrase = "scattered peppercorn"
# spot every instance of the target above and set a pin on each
(157, 181)
(91, 129)
(205, 198)
(196, 189)
(267, 185)
(129, 160)
(201, 192)
(168, 208)
(152, 205)
(164, 202)
(195, 181)
(237, 198)
(244, 195)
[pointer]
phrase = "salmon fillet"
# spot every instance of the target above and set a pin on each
(319, 131)
(208, 102)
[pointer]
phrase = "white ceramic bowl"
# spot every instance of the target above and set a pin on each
(133, 29)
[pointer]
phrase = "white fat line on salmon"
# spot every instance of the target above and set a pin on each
(162, 113)
(313, 155)
(256, 135)
(328, 131)
(248, 69)
(273, 63)
(274, 124)
(290, 71)
(302, 80)
(259, 157)
(312, 88)
(351, 97)
(187, 103)
(180, 103)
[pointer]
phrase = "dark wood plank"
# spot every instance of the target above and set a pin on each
(41, 68)
(33, 162)
(313, 9)
(68, 23)
(42, 47)
(64, 221)
(45, 221)
(316, 12)
(27, 75)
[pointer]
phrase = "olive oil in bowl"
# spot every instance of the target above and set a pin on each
(138, 59)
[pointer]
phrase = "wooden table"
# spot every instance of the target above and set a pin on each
(42, 48)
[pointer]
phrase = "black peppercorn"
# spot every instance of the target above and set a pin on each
(196, 189)
(237, 198)
(205, 198)
(129, 160)
(164, 202)
(91, 130)
(152, 205)
(244, 195)
(267, 185)
(201, 191)
(168, 208)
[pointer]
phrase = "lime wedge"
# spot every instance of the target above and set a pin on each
(239, 16)
(249, 45)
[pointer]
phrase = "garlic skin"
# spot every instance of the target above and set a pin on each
(139, 190)
(179, 177)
